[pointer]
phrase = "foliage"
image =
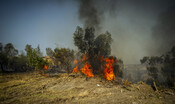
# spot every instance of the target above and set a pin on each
(3, 61)
(144, 60)
(168, 69)
(164, 64)
(118, 66)
(10, 50)
(95, 48)
(33, 59)
(49, 52)
(103, 44)
(88, 44)
(65, 56)
(152, 60)
(38, 51)
(7, 55)
(153, 72)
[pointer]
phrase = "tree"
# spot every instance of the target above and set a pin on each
(164, 64)
(78, 39)
(64, 56)
(49, 52)
(1, 47)
(28, 47)
(3, 59)
(168, 69)
(153, 72)
(88, 44)
(93, 47)
(38, 51)
(10, 50)
(144, 60)
(102, 44)
(33, 59)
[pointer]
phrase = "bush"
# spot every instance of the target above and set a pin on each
(65, 57)
(34, 60)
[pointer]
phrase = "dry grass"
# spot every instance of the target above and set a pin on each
(73, 88)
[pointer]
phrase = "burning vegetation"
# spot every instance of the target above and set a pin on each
(109, 75)
(96, 51)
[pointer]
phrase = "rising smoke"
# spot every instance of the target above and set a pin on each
(164, 31)
(138, 28)
(91, 12)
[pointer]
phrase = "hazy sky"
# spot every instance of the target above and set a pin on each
(53, 22)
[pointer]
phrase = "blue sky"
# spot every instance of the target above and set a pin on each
(43, 23)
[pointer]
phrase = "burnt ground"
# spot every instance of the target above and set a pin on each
(63, 88)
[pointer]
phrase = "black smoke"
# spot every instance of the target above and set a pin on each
(91, 12)
(164, 32)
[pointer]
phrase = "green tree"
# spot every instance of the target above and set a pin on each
(103, 44)
(93, 47)
(64, 56)
(1, 47)
(3, 58)
(49, 52)
(10, 50)
(144, 60)
(33, 59)
(38, 51)
(168, 69)
(164, 64)
(28, 48)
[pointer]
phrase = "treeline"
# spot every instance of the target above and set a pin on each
(161, 69)
(12, 61)
(96, 48)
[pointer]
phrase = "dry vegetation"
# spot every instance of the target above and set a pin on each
(64, 88)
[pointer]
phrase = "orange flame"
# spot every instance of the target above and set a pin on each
(75, 61)
(87, 71)
(84, 58)
(109, 75)
(75, 70)
(45, 66)
(43, 71)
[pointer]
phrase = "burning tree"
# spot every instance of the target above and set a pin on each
(96, 51)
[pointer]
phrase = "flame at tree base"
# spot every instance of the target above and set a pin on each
(108, 69)
(75, 70)
(87, 71)
(43, 71)
(109, 75)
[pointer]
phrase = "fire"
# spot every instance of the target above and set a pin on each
(43, 71)
(75, 70)
(84, 58)
(109, 75)
(75, 61)
(86, 70)
(108, 69)
(45, 66)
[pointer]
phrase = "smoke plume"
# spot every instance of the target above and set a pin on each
(91, 12)
(164, 31)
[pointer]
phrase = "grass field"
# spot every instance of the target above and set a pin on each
(32, 88)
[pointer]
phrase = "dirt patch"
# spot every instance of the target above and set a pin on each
(75, 88)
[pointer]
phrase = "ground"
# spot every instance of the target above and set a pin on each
(63, 88)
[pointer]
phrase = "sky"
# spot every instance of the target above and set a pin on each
(51, 23)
